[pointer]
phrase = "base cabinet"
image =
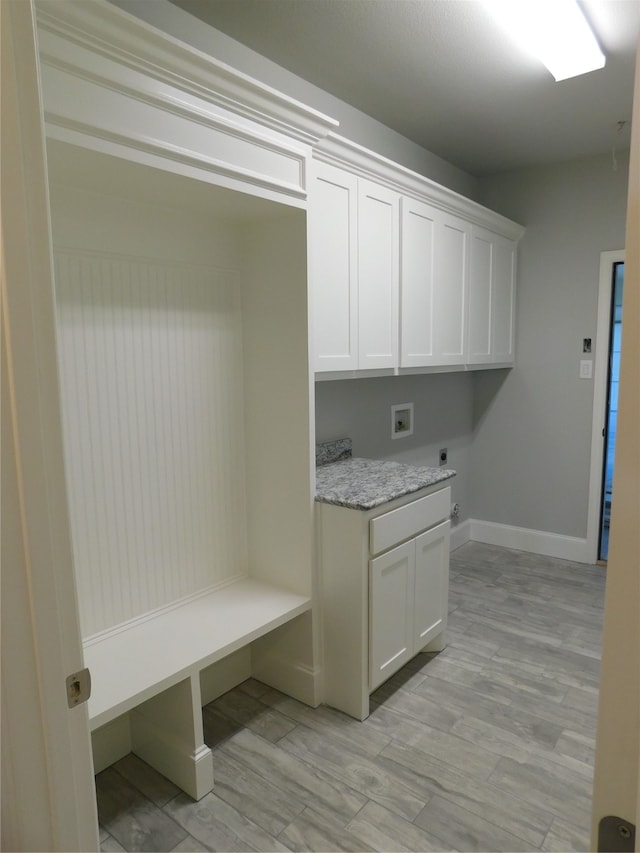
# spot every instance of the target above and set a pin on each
(408, 601)
(384, 582)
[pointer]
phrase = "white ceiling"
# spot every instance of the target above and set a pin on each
(442, 73)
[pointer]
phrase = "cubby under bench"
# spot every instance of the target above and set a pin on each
(151, 671)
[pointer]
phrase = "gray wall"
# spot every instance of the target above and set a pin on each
(443, 417)
(532, 425)
(520, 438)
(354, 125)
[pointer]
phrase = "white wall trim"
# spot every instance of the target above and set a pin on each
(600, 372)
(345, 154)
(107, 31)
(460, 533)
(534, 541)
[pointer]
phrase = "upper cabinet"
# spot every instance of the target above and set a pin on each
(353, 270)
(404, 274)
(333, 268)
(492, 283)
(378, 246)
(433, 286)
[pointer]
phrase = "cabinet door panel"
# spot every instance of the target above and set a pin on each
(391, 612)
(480, 275)
(378, 261)
(333, 268)
(418, 225)
(503, 316)
(431, 584)
(451, 270)
(492, 274)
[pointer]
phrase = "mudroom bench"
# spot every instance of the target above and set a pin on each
(151, 668)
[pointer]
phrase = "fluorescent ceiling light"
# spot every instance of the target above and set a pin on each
(555, 31)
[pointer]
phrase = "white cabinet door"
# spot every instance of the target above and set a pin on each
(431, 584)
(378, 274)
(333, 267)
(480, 308)
(492, 270)
(504, 301)
(417, 328)
(391, 585)
(451, 276)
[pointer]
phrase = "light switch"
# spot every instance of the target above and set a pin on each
(586, 368)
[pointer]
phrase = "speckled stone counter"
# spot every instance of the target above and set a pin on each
(367, 483)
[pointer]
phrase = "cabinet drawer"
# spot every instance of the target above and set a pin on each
(409, 520)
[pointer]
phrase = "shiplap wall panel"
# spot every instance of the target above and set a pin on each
(152, 385)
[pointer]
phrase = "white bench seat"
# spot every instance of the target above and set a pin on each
(150, 657)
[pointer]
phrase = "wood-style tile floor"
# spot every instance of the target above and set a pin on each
(487, 745)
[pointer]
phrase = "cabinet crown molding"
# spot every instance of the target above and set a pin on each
(338, 151)
(114, 34)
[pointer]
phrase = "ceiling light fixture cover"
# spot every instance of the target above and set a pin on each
(555, 31)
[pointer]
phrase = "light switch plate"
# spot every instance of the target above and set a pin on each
(586, 368)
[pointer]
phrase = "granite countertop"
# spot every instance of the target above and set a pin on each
(359, 483)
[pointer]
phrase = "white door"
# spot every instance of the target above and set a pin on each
(480, 293)
(378, 275)
(503, 301)
(48, 793)
(616, 789)
(451, 273)
(390, 612)
(431, 584)
(333, 270)
(417, 283)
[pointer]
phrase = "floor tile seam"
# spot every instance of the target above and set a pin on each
(226, 828)
(509, 832)
(570, 723)
(501, 702)
(321, 775)
(575, 805)
(446, 765)
(568, 821)
(131, 808)
(220, 792)
(448, 792)
(379, 797)
(340, 742)
(539, 752)
(309, 807)
(513, 632)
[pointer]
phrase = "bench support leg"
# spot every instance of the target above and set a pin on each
(167, 733)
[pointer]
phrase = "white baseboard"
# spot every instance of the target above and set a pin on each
(460, 533)
(191, 769)
(533, 541)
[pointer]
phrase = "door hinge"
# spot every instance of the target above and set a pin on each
(78, 687)
(616, 835)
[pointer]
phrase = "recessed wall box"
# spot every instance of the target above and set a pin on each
(401, 420)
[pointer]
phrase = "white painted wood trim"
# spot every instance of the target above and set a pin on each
(341, 152)
(179, 642)
(533, 541)
(599, 417)
(103, 28)
(616, 788)
(59, 743)
(460, 533)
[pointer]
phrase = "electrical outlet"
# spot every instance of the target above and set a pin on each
(443, 456)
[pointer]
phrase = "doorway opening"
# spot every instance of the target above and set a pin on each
(609, 430)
